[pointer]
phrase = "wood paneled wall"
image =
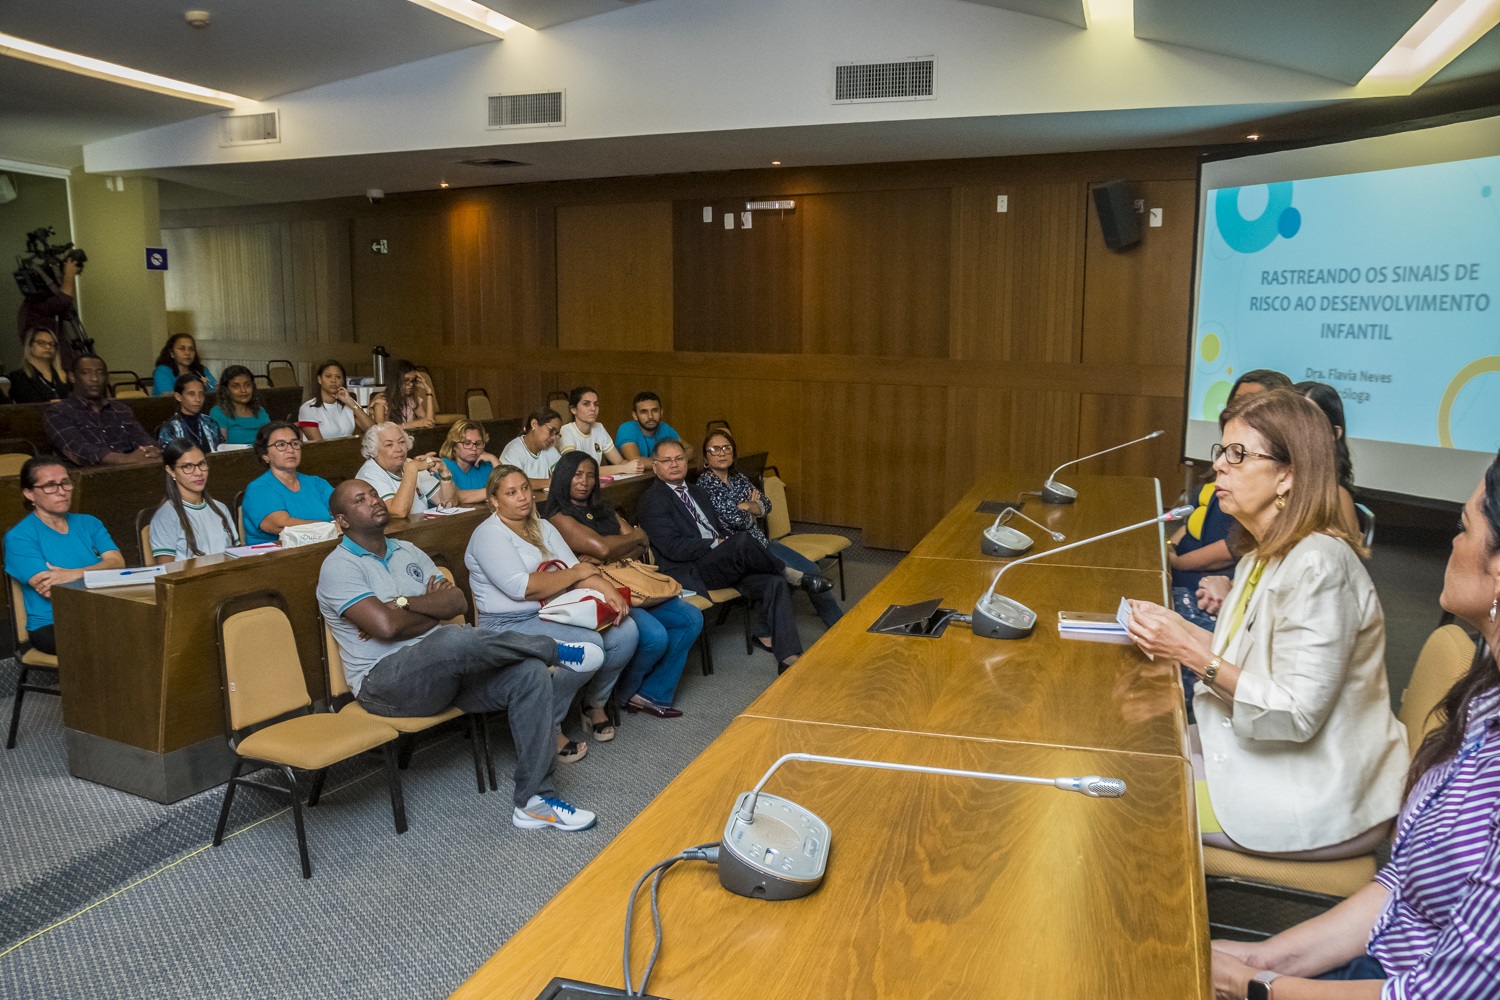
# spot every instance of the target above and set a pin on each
(886, 341)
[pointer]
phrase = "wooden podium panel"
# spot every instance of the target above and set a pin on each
(936, 886)
(1040, 689)
(1104, 503)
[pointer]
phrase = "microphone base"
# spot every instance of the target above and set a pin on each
(782, 855)
(1057, 493)
(1003, 541)
(1002, 618)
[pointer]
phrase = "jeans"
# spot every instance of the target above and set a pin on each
(617, 641)
(667, 633)
(1363, 967)
(479, 672)
(825, 603)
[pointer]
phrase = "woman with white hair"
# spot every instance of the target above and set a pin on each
(409, 484)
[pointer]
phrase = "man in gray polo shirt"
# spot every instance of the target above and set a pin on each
(385, 599)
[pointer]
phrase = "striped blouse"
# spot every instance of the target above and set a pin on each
(1438, 934)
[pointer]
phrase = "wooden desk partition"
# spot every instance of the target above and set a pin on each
(936, 886)
(1042, 689)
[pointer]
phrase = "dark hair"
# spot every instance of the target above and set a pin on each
(576, 394)
(395, 392)
(165, 357)
(223, 400)
(82, 356)
(1266, 378)
(318, 370)
(183, 381)
(1328, 400)
(642, 397)
(675, 442)
(1452, 712)
(717, 432)
(596, 512)
(263, 436)
(172, 453)
(32, 466)
(539, 416)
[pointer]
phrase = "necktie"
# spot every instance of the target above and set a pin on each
(687, 501)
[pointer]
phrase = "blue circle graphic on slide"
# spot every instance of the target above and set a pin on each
(1251, 235)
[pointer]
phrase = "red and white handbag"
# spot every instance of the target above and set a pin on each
(581, 607)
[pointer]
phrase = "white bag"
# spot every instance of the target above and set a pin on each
(294, 535)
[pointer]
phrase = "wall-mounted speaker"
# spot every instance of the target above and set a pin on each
(1117, 219)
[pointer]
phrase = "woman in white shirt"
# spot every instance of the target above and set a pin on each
(1301, 756)
(189, 522)
(409, 485)
(331, 412)
(517, 561)
(587, 434)
(535, 451)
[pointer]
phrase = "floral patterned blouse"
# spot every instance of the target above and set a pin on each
(726, 498)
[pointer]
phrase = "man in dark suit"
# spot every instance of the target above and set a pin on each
(693, 547)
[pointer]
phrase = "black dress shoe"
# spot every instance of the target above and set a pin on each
(815, 584)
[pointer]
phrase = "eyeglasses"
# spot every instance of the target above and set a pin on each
(668, 461)
(52, 489)
(285, 445)
(719, 449)
(1236, 453)
(192, 466)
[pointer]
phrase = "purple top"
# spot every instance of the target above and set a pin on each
(85, 435)
(1438, 934)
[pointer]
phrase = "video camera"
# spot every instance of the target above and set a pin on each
(40, 271)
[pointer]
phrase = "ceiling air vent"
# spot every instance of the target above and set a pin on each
(526, 110)
(493, 161)
(246, 130)
(907, 80)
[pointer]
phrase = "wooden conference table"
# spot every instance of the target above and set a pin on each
(936, 886)
(142, 709)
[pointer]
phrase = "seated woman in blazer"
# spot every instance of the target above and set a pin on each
(1301, 755)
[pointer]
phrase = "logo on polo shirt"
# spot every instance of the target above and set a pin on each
(415, 572)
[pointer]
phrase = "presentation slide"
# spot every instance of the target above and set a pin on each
(1363, 266)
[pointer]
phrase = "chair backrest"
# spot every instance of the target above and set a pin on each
(262, 672)
(281, 373)
(477, 402)
(753, 467)
(18, 612)
(779, 520)
(716, 425)
(17, 445)
(11, 462)
(456, 619)
(1366, 518)
(338, 684)
(143, 529)
(239, 516)
(130, 392)
(124, 376)
(559, 403)
(1444, 658)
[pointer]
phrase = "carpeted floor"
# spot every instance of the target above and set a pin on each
(105, 895)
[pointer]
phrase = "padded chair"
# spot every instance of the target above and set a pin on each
(17, 445)
(725, 598)
(815, 547)
(1445, 656)
(238, 511)
(125, 380)
(341, 700)
(143, 532)
(281, 373)
(29, 659)
(477, 402)
(1366, 524)
(269, 718)
(716, 425)
(131, 392)
(11, 462)
(559, 403)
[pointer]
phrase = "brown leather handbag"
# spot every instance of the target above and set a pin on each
(648, 585)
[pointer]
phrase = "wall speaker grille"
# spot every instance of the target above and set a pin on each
(907, 80)
(243, 130)
(526, 110)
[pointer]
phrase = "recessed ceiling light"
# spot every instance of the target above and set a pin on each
(1253, 137)
(1447, 29)
(442, 184)
(72, 62)
(775, 163)
(475, 15)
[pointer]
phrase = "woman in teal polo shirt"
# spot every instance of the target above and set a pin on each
(51, 546)
(282, 496)
(464, 454)
(237, 408)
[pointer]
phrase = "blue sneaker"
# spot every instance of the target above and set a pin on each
(553, 813)
(580, 657)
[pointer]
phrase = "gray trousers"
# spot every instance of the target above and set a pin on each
(478, 671)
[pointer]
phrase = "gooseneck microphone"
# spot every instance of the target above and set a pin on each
(998, 617)
(1055, 492)
(775, 849)
(1001, 540)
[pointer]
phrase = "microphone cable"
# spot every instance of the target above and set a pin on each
(703, 852)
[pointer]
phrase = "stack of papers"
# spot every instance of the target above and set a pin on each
(240, 551)
(447, 511)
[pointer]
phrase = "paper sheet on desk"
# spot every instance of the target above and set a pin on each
(240, 551)
(96, 579)
(1123, 617)
(446, 511)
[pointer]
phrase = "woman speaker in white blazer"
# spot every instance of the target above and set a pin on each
(1300, 753)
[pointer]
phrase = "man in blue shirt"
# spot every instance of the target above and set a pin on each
(638, 438)
(385, 602)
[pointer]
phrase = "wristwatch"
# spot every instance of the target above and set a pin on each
(402, 603)
(1259, 987)
(1212, 670)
